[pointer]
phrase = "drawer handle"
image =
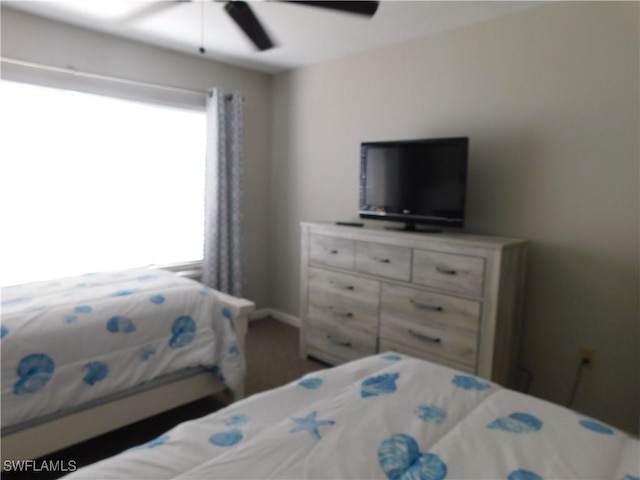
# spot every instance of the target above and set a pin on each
(426, 306)
(446, 271)
(382, 260)
(338, 341)
(340, 313)
(333, 252)
(341, 285)
(426, 338)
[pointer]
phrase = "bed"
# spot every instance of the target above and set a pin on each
(87, 354)
(387, 416)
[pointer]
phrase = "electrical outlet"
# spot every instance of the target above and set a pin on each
(588, 356)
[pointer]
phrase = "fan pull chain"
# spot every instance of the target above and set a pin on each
(202, 49)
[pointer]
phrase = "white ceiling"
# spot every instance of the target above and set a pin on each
(304, 35)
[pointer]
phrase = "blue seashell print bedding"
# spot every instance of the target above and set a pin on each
(388, 416)
(77, 339)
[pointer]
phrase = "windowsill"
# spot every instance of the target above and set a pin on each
(192, 269)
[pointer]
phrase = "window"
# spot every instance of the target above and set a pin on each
(93, 183)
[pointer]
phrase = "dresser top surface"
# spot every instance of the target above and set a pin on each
(380, 233)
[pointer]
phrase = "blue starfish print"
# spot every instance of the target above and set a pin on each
(310, 424)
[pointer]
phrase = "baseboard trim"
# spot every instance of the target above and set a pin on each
(286, 318)
(259, 314)
(276, 314)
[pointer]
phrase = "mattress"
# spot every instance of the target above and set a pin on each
(384, 417)
(71, 341)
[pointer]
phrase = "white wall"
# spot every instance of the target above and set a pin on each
(30, 38)
(549, 99)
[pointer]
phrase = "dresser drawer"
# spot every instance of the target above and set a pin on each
(331, 251)
(445, 271)
(389, 346)
(387, 261)
(337, 298)
(437, 324)
(338, 344)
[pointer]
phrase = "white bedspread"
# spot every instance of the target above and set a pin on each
(387, 416)
(77, 339)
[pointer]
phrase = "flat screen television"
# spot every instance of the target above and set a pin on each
(415, 181)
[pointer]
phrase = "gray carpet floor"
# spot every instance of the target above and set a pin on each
(272, 356)
(272, 360)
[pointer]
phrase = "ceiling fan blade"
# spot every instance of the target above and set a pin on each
(242, 14)
(367, 8)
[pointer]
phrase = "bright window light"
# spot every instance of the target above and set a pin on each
(90, 183)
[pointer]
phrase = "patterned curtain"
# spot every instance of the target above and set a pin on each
(223, 262)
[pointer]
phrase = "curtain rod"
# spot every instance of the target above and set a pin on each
(73, 71)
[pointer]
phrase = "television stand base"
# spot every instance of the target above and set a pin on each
(412, 227)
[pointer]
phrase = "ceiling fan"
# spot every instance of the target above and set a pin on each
(242, 14)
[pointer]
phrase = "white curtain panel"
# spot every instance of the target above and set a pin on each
(223, 262)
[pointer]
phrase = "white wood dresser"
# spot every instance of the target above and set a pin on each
(454, 299)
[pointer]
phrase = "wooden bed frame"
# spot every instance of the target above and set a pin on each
(82, 424)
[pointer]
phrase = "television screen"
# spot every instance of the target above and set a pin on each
(415, 181)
